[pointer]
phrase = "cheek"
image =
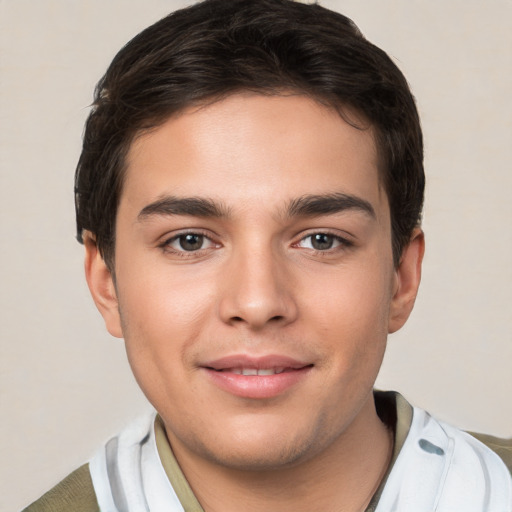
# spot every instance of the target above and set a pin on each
(161, 319)
(162, 301)
(352, 322)
(351, 302)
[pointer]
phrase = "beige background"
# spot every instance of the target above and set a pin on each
(65, 384)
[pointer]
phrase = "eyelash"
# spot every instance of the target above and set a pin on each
(340, 243)
(183, 253)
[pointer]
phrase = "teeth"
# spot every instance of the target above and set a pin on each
(254, 371)
(270, 371)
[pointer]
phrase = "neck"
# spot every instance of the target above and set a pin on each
(343, 477)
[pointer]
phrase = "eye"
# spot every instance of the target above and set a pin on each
(188, 242)
(322, 242)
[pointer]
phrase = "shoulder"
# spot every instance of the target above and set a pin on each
(75, 493)
(402, 413)
(502, 447)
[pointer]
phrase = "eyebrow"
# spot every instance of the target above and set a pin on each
(193, 206)
(314, 205)
(304, 206)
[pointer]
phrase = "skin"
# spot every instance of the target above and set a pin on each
(259, 284)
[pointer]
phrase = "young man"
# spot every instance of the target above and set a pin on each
(249, 196)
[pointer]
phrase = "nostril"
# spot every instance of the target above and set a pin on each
(274, 319)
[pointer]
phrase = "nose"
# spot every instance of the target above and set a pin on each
(257, 291)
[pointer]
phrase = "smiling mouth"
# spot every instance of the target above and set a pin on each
(258, 371)
(257, 378)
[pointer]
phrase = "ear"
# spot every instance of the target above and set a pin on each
(407, 281)
(101, 286)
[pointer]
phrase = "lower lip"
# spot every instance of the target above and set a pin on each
(257, 386)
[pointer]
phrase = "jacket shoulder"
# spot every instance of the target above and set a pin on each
(502, 447)
(75, 492)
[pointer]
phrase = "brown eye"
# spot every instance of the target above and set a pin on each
(191, 244)
(191, 241)
(322, 241)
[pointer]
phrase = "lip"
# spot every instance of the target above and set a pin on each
(222, 373)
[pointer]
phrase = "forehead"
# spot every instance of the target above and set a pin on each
(248, 147)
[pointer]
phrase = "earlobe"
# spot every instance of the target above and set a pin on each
(101, 286)
(407, 277)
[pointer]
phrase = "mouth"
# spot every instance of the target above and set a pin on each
(257, 377)
(255, 371)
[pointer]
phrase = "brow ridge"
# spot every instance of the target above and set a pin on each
(193, 206)
(326, 204)
(304, 206)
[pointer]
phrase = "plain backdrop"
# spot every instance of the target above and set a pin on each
(65, 384)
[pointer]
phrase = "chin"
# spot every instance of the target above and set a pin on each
(260, 446)
(266, 457)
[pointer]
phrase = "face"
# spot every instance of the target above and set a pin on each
(255, 284)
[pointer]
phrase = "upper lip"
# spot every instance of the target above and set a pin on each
(256, 362)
